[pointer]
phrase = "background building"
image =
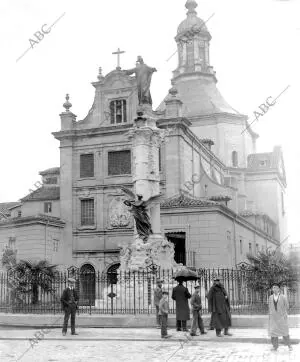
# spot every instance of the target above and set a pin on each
(222, 199)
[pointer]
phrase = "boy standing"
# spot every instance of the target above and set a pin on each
(157, 298)
(163, 313)
(196, 310)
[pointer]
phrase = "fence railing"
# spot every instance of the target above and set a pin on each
(128, 292)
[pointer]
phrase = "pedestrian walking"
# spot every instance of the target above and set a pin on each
(196, 310)
(157, 298)
(163, 313)
(69, 301)
(218, 305)
(278, 318)
(181, 295)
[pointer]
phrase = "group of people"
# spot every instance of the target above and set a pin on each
(219, 307)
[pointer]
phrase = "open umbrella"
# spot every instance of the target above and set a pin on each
(186, 274)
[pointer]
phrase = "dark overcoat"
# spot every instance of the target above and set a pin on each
(219, 306)
(181, 295)
(66, 296)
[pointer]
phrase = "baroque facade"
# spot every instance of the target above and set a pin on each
(221, 198)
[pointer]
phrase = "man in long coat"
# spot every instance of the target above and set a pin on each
(181, 295)
(278, 318)
(218, 305)
(69, 301)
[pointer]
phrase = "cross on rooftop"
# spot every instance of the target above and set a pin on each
(118, 52)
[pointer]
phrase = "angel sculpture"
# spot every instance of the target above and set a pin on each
(139, 212)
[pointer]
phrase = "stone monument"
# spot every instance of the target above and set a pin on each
(149, 247)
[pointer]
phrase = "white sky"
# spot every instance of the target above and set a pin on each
(254, 49)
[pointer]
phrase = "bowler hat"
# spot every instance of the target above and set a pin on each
(71, 280)
(165, 291)
(276, 284)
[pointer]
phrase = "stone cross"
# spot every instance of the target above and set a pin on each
(118, 52)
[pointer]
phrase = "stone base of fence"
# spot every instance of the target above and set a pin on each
(127, 321)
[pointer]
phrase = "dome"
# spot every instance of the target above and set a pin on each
(192, 21)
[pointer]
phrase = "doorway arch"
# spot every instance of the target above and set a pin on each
(87, 287)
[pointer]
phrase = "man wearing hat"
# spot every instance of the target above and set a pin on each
(278, 317)
(157, 298)
(196, 310)
(181, 295)
(69, 301)
(218, 305)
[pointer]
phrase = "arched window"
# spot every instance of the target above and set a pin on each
(118, 112)
(87, 285)
(112, 273)
(234, 159)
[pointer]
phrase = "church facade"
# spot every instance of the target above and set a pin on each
(222, 200)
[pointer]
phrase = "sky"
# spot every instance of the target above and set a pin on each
(254, 50)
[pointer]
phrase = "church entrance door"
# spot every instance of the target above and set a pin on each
(178, 239)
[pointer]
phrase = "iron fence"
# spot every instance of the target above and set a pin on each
(128, 292)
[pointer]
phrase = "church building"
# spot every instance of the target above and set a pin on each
(222, 200)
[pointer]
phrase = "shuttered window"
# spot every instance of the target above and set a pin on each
(87, 212)
(87, 165)
(119, 163)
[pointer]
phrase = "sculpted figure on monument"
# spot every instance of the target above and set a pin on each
(138, 208)
(143, 75)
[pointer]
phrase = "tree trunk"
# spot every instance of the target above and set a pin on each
(35, 293)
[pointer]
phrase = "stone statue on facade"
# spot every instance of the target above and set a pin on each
(143, 75)
(138, 208)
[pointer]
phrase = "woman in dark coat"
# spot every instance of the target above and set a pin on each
(218, 305)
(181, 295)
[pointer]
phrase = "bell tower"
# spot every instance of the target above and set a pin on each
(193, 43)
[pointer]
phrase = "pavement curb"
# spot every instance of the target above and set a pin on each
(185, 341)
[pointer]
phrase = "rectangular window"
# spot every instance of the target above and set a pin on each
(87, 165)
(55, 245)
(47, 207)
(87, 212)
(50, 181)
(119, 163)
(250, 248)
(241, 246)
(12, 242)
(257, 248)
(19, 213)
(118, 112)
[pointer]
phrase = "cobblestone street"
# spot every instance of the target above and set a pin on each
(83, 350)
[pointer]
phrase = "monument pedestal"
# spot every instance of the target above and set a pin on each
(157, 251)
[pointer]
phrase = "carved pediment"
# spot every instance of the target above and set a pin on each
(118, 80)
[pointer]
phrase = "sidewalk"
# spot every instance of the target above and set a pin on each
(128, 320)
(141, 334)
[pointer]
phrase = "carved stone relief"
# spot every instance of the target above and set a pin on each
(119, 216)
